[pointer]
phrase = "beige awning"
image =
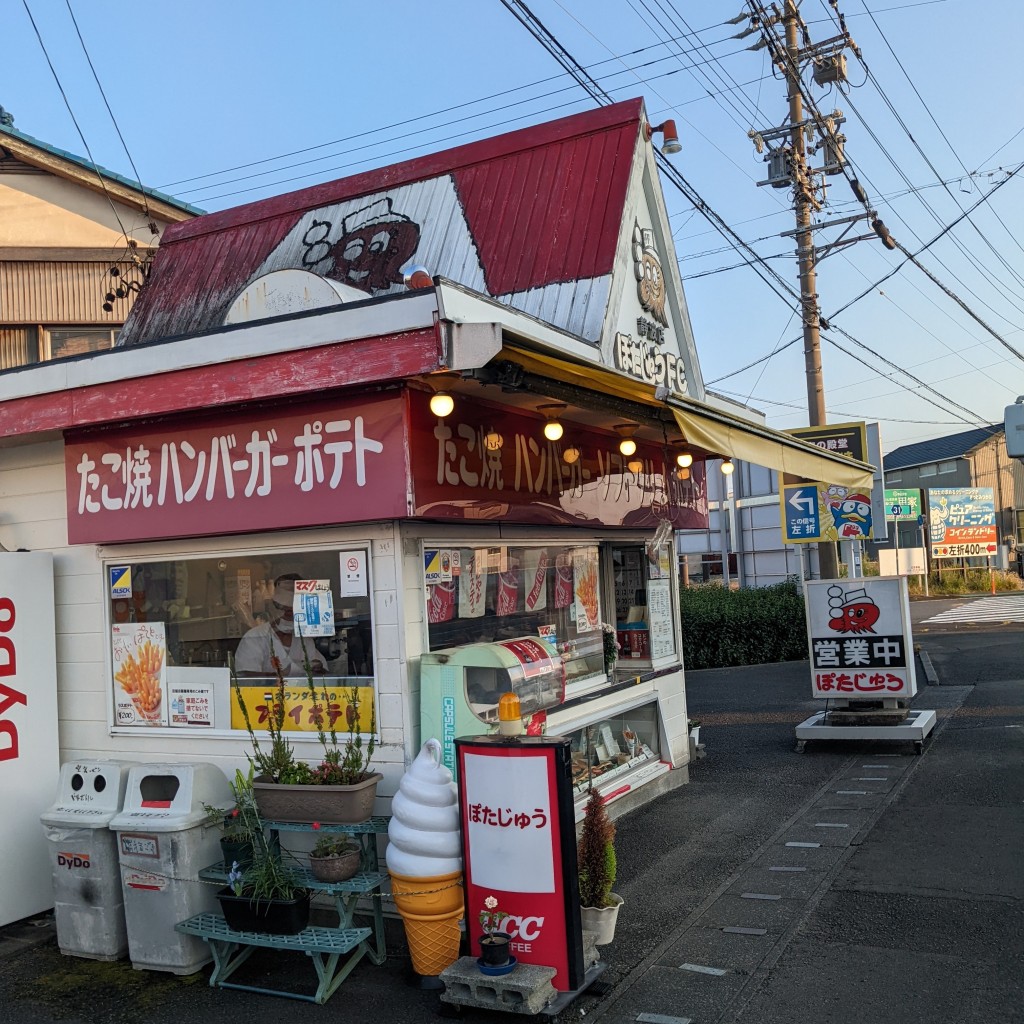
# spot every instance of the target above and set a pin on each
(717, 432)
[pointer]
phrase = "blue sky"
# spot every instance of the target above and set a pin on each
(330, 88)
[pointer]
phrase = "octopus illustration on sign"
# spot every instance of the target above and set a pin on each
(375, 243)
(851, 611)
(650, 279)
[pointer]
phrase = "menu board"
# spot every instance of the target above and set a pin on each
(659, 618)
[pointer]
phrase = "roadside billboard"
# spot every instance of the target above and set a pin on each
(962, 522)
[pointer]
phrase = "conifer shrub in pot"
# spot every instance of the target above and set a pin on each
(595, 855)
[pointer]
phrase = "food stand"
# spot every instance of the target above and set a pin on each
(462, 424)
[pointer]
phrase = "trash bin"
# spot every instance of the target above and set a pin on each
(88, 905)
(164, 838)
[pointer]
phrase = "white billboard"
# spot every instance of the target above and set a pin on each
(29, 756)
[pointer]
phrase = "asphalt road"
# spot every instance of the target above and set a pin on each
(912, 911)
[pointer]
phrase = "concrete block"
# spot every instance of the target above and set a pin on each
(526, 989)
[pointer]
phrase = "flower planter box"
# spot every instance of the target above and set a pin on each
(266, 917)
(330, 805)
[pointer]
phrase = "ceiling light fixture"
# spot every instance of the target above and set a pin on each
(627, 446)
(441, 404)
(684, 460)
(682, 473)
(728, 467)
(493, 441)
(553, 429)
(635, 466)
(571, 455)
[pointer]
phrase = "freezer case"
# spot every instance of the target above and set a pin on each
(460, 687)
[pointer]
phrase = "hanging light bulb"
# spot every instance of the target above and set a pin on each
(571, 455)
(728, 467)
(635, 466)
(493, 441)
(682, 473)
(627, 446)
(684, 460)
(441, 404)
(553, 429)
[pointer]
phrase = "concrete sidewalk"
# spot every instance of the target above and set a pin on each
(913, 910)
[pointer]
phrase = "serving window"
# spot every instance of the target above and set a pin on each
(180, 626)
(500, 592)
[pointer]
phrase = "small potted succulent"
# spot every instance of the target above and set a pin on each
(334, 858)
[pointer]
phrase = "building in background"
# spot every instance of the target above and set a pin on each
(66, 227)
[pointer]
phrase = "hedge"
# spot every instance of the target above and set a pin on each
(742, 627)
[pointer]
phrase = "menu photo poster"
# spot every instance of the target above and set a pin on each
(140, 667)
(585, 588)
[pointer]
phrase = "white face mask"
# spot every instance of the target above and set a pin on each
(285, 625)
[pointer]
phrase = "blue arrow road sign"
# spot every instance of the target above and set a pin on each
(800, 520)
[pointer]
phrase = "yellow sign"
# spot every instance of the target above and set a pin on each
(300, 707)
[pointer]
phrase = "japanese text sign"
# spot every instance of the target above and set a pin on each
(139, 652)
(962, 522)
(902, 503)
(303, 704)
(489, 462)
(849, 439)
(859, 637)
(337, 462)
(519, 848)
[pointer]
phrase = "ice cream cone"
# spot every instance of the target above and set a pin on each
(430, 909)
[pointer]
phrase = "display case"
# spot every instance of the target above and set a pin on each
(616, 753)
(461, 687)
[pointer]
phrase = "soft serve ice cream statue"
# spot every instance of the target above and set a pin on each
(424, 859)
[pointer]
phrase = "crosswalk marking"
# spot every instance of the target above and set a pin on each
(1003, 608)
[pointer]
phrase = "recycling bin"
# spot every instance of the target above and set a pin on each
(164, 838)
(88, 905)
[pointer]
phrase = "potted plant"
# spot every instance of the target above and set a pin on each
(240, 824)
(595, 853)
(334, 858)
(266, 896)
(341, 789)
(494, 942)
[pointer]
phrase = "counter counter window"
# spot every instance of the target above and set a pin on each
(177, 626)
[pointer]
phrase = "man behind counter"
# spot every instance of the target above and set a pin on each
(277, 637)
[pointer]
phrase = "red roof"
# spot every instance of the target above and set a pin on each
(533, 211)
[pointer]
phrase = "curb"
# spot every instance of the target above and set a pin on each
(929, 669)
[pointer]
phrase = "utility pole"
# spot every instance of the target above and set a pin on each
(788, 168)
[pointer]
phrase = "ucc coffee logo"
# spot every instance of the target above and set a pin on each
(73, 860)
(526, 928)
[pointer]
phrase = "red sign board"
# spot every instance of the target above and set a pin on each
(519, 850)
(487, 462)
(334, 462)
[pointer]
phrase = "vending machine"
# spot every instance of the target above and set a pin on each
(461, 687)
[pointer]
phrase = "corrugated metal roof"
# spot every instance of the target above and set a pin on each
(96, 168)
(531, 218)
(937, 449)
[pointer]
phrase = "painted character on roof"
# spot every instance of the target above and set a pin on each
(375, 243)
(650, 281)
(852, 516)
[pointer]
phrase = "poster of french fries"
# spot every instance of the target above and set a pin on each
(585, 585)
(140, 672)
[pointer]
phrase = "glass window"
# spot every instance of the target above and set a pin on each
(948, 467)
(75, 341)
(501, 592)
(178, 625)
(928, 470)
(894, 478)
